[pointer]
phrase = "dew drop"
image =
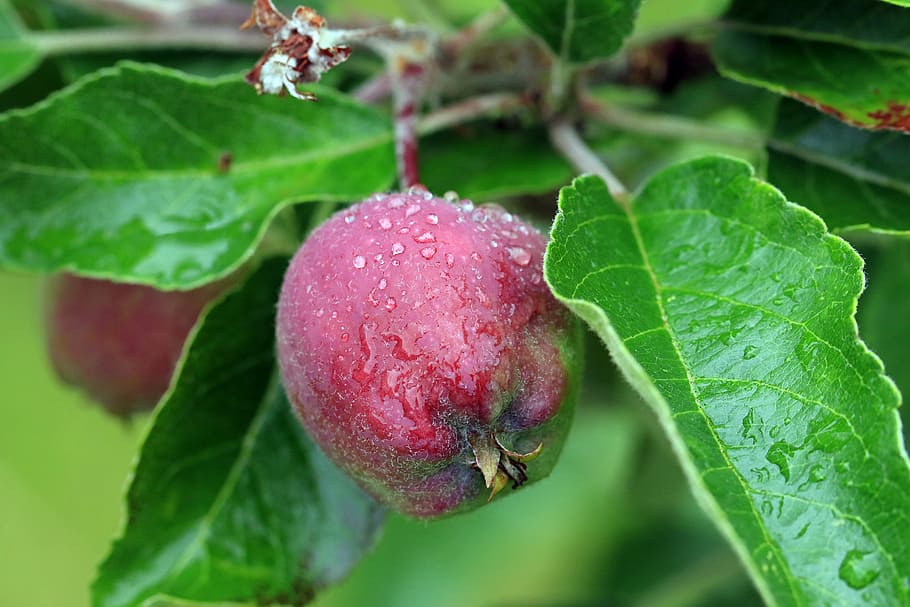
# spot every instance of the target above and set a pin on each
(390, 304)
(476, 256)
(535, 278)
(320, 312)
(359, 262)
(519, 256)
(396, 203)
(494, 244)
(467, 205)
(383, 284)
(385, 223)
(750, 352)
(412, 210)
(425, 238)
(378, 257)
(450, 259)
(373, 298)
(858, 570)
(349, 219)
(345, 337)
(404, 230)
(779, 454)
(428, 252)
(397, 248)
(432, 219)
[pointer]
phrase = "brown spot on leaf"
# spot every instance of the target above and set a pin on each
(895, 116)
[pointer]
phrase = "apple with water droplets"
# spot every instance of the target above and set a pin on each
(424, 353)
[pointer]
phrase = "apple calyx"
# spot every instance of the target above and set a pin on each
(499, 464)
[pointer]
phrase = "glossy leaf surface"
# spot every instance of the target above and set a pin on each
(145, 174)
(230, 500)
(731, 311)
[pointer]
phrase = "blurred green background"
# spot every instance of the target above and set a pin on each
(614, 525)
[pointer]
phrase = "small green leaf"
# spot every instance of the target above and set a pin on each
(848, 59)
(18, 56)
(491, 164)
(731, 311)
(144, 174)
(578, 31)
(230, 501)
(855, 179)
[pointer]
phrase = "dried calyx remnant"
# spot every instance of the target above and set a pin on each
(302, 50)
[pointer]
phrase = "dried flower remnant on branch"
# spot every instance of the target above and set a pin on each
(302, 50)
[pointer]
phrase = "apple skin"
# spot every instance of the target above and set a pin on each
(413, 332)
(119, 342)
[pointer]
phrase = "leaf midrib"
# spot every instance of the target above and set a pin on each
(239, 168)
(649, 268)
(230, 482)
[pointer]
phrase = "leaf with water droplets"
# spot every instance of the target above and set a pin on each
(731, 311)
(230, 501)
(133, 183)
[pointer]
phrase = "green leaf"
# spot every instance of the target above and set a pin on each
(731, 311)
(883, 317)
(230, 500)
(848, 59)
(855, 179)
(489, 164)
(146, 175)
(18, 56)
(578, 31)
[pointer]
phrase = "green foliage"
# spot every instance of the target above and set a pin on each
(846, 58)
(230, 500)
(728, 305)
(731, 311)
(18, 55)
(578, 31)
(855, 179)
(144, 174)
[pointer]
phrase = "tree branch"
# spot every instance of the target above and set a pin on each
(566, 139)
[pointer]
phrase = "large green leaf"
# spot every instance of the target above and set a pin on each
(883, 317)
(18, 56)
(230, 501)
(848, 59)
(578, 31)
(731, 311)
(147, 175)
(855, 179)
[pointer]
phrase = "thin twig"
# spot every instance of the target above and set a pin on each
(566, 139)
(373, 90)
(473, 108)
(99, 40)
(666, 125)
